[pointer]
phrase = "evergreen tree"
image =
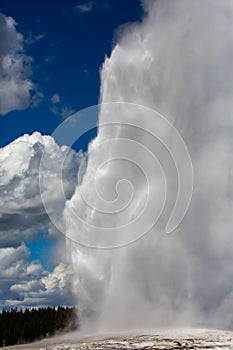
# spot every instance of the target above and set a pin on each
(23, 326)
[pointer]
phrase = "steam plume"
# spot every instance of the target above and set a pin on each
(178, 61)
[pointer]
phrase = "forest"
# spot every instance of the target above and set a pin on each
(23, 326)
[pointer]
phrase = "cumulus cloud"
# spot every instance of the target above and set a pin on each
(22, 215)
(12, 263)
(26, 283)
(22, 212)
(15, 68)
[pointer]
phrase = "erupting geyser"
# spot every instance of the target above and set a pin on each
(179, 62)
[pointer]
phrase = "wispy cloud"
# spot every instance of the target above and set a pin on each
(58, 108)
(55, 99)
(32, 39)
(86, 72)
(37, 98)
(66, 111)
(86, 7)
(89, 6)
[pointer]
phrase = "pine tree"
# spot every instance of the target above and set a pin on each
(22, 326)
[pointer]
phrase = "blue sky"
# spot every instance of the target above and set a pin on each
(41, 249)
(60, 48)
(68, 42)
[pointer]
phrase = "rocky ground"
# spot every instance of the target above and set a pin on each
(192, 339)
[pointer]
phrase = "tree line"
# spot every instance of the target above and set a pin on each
(23, 326)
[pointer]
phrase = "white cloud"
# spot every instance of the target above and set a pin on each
(22, 212)
(15, 68)
(26, 283)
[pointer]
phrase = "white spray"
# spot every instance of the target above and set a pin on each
(178, 61)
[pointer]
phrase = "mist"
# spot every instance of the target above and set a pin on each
(177, 61)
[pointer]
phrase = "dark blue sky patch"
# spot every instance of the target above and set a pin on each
(42, 250)
(68, 48)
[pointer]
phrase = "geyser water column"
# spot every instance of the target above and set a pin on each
(178, 61)
(123, 197)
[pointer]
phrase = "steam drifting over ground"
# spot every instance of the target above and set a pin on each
(178, 61)
(157, 339)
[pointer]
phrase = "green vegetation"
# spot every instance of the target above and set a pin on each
(23, 326)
